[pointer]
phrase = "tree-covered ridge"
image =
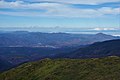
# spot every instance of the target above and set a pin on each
(66, 69)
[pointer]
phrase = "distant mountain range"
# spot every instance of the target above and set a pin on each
(52, 40)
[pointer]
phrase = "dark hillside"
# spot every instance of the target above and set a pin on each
(98, 49)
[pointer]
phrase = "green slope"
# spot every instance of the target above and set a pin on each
(66, 69)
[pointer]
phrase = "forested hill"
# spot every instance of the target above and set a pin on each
(67, 69)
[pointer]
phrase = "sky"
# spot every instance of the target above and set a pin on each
(96, 14)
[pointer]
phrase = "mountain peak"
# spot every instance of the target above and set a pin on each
(100, 34)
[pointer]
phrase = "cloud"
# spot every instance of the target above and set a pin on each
(117, 35)
(100, 29)
(23, 5)
(90, 2)
(46, 9)
(108, 10)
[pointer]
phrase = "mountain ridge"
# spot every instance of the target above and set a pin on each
(66, 69)
(38, 39)
(95, 50)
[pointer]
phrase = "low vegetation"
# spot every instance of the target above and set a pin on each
(66, 69)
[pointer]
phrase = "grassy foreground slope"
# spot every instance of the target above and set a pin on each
(66, 69)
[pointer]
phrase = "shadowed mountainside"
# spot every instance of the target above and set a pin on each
(4, 65)
(96, 50)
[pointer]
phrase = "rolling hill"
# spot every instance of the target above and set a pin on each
(95, 50)
(66, 69)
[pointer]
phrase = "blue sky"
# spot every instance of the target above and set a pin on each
(63, 13)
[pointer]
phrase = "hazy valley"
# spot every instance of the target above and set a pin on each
(23, 47)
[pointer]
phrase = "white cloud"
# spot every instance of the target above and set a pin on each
(23, 5)
(54, 9)
(99, 29)
(117, 35)
(91, 2)
(108, 10)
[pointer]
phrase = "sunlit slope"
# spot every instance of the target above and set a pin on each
(66, 69)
